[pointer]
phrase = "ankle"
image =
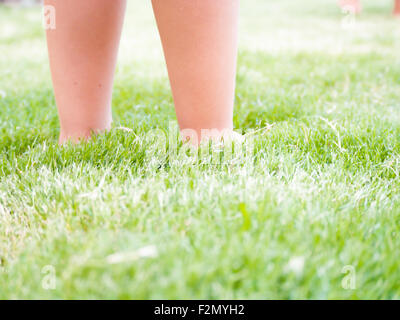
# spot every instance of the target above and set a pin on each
(80, 133)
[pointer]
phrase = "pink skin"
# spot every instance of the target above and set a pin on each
(83, 53)
(352, 5)
(355, 6)
(200, 38)
(200, 44)
(396, 10)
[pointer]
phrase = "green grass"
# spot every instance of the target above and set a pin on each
(322, 193)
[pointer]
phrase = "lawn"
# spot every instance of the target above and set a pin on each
(315, 214)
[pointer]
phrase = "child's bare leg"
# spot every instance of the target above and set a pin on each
(396, 10)
(200, 44)
(83, 50)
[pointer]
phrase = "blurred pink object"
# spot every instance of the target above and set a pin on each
(396, 10)
(353, 6)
